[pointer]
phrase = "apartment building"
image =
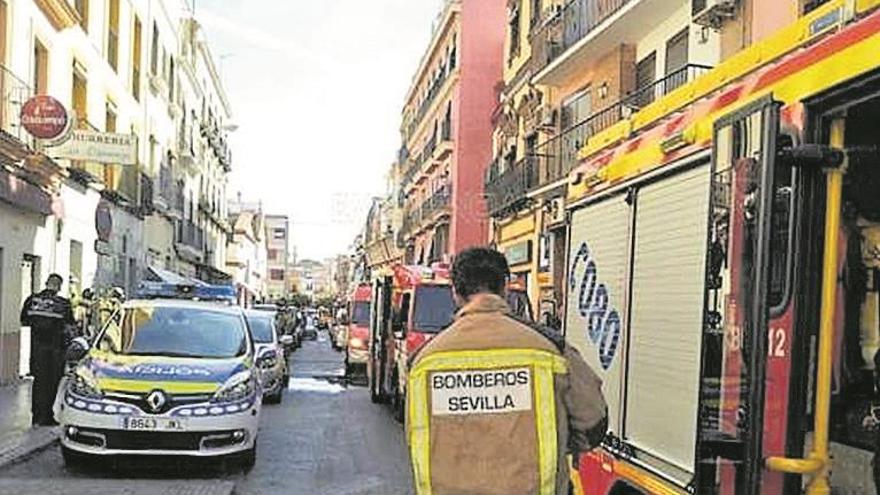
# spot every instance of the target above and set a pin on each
(446, 131)
(573, 69)
(277, 255)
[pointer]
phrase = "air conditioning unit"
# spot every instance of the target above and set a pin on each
(713, 13)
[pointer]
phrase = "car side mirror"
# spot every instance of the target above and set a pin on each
(267, 359)
(77, 350)
(286, 340)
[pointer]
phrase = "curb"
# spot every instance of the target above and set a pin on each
(19, 447)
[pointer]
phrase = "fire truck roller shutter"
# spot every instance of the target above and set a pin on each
(667, 313)
(596, 287)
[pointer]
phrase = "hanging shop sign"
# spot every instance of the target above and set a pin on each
(44, 117)
(101, 147)
(518, 253)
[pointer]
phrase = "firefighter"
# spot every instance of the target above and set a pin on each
(494, 405)
(50, 317)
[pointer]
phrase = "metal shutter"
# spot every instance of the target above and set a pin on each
(604, 229)
(667, 313)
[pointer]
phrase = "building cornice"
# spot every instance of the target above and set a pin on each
(451, 10)
(61, 15)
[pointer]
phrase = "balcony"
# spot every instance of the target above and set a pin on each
(435, 207)
(506, 191)
(552, 161)
(433, 92)
(573, 36)
(14, 92)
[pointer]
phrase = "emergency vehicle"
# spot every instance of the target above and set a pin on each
(411, 304)
(358, 333)
(723, 271)
(168, 374)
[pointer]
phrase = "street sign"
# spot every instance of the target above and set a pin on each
(101, 147)
(44, 117)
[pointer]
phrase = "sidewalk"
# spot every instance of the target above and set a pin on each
(17, 438)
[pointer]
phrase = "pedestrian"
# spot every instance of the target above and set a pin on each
(50, 317)
(495, 405)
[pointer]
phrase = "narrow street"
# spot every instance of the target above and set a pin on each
(326, 437)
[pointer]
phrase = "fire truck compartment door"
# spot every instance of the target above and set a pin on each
(596, 287)
(666, 316)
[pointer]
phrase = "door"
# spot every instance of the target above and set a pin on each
(730, 435)
(596, 288)
(646, 71)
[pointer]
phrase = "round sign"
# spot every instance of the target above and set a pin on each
(44, 117)
(103, 221)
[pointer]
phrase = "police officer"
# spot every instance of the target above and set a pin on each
(50, 317)
(496, 405)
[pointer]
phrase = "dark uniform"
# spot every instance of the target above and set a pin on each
(49, 316)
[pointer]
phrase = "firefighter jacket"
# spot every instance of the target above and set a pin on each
(494, 406)
(49, 316)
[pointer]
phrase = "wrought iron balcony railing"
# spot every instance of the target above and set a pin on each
(554, 159)
(14, 92)
(562, 27)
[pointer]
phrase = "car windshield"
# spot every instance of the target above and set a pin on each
(175, 332)
(361, 313)
(261, 327)
(434, 308)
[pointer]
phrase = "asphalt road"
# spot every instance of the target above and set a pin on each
(326, 437)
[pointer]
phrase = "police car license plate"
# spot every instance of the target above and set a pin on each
(481, 392)
(135, 423)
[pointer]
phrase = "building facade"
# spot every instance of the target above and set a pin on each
(277, 255)
(116, 67)
(446, 131)
(246, 259)
(573, 69)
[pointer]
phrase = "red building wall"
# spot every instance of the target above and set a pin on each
(482, 56)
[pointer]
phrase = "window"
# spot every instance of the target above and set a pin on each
(154, 51)
(113, 34)
(170, 79)
(41, 68)
(82, 8)
(513, 29)
(646, 71)
(676, 61)
(276, 274)
(434, 308)
(535, 15)
(279, 234)
(811, 5)
(136, 60)
(80, 96)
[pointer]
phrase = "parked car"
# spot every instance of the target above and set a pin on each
(270, 352)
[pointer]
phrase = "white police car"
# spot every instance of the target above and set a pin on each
(165, 377)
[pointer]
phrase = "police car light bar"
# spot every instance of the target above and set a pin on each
(165, 290)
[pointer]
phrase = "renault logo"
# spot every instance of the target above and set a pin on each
(156, 400)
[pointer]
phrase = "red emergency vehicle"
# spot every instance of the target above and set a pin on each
(358, 333)
(723, 271)
(412, 305)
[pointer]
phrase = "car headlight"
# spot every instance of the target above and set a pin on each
(85, 385)
(239, 386)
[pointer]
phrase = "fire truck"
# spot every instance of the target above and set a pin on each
(722, 272)
(411, 304)
(357, 335)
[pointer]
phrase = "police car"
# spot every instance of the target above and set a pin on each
(165, 377)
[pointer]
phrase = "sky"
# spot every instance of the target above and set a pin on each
(316, 89)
